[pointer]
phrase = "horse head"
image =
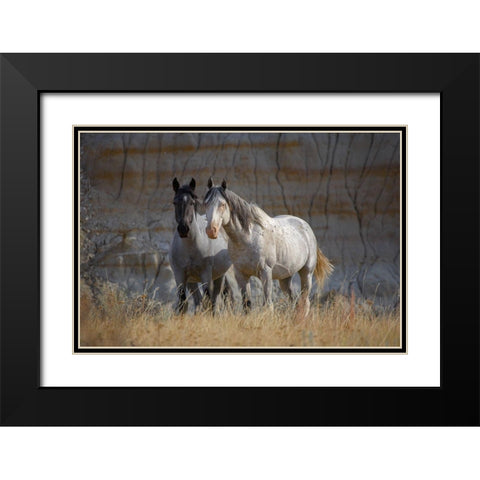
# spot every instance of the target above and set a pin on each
(217, 209)
(185, 202)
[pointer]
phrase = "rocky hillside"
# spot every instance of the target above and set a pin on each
(346, 185)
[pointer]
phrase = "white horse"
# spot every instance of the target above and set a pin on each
(265, 247)
(195, 258)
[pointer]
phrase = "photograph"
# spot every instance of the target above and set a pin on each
(240, 238)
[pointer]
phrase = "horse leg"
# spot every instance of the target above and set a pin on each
(231, 291)
(196, 293)
(207, 283)
(242, 282)
(217, 289)
(286, 285)
(182, 304)
(248, 295)
(266, 278)
(303, 305)
(227, 293)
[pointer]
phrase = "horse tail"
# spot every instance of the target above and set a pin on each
(323, 268)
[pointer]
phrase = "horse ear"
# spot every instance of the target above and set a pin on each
(192, 184)
(224, 184)
(210, 183)
(175, 185)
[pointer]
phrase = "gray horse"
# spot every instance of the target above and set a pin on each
(197, 261)
(266, 247)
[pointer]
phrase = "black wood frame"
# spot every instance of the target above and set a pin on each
(23, 77)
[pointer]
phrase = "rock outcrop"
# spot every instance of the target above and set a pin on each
(346, 185)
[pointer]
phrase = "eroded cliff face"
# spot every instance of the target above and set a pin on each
(346, 185)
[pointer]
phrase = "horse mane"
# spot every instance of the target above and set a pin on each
(242, 212)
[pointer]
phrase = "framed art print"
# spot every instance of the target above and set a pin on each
(242, 233)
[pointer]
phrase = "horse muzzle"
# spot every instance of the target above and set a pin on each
(183, 231)
(212, 232)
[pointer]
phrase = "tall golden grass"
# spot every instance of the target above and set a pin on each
(116, 320)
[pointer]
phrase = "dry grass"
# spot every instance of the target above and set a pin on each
(117, 320)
